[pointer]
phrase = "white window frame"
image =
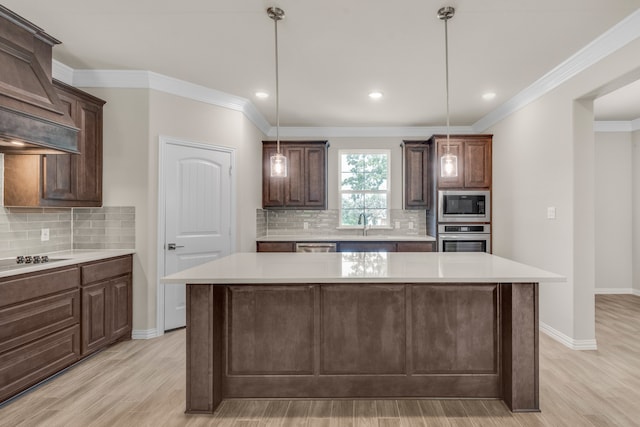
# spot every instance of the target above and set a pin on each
(364, 151)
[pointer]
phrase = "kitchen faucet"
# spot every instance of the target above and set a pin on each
(362, 218)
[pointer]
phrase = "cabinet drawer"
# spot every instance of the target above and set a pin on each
(34, 285)
(106, 269)
(276, 247)
(367, 247)
(416, 247)
(23, 323)
(24, 366)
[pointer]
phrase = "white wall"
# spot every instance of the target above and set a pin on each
(133, 121)
(544, 155)
(614, 206)
(636, 211)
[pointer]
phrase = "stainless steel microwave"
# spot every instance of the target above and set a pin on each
(464, 206)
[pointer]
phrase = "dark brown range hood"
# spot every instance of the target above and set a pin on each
(32, 117)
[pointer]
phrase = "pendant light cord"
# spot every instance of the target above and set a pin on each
(277, 91)
(446, 67)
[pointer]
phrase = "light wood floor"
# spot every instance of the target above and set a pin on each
(141, 383)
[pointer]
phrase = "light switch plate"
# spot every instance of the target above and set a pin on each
(551, 212)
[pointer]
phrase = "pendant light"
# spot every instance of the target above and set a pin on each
(278, 160)
(448, 162)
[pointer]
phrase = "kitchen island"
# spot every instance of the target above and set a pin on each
(362, 325)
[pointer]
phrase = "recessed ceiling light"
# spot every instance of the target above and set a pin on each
(18, 143)
(375, 94)
(488, 96)
(261, 94)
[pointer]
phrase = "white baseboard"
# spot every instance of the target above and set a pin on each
(616, 291)
(636, 292)
(144, 334)
(567, 340)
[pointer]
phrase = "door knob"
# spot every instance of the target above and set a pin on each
(173, 246)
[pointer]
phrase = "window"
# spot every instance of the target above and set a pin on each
(364, 188)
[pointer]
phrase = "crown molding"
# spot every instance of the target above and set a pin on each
(615, 38)
(367, 131)
(616, 126)
(140, 79)
(612, 126)
(62, 72)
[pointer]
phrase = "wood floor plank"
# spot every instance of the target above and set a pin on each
(366, 414)
(142, 383)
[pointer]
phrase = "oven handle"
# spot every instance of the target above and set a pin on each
(474, 236)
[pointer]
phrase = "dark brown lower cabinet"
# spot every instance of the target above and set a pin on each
(356, 246)
(95, 321)
(362, 340)
(106, 303)
(52, 318)
(39, 326)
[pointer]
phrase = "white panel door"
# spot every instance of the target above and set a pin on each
(197, 185)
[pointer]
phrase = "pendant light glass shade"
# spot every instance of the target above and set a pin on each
(449, 166)
(448, 162)
(278, 166)
(278, 161)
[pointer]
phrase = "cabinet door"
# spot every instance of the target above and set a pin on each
(96, 316)
(272, 188)
(416, 182)
(88, 166)
(294, 184)
(59, 179)
(477, 160)
(315, 177)
(121, 318)
(76, 179)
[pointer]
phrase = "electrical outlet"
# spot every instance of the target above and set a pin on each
(551, 212)
(305, 225)
(397, 224)
(410, 225)
(44, 234)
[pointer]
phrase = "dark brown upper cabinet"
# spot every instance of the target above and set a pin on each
(62, 180)
(305, 186)
(474, 160)
(418, 174)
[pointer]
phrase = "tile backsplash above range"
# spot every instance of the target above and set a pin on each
(325, 223)
(68, 228)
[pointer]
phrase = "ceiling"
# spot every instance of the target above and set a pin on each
(334, 52)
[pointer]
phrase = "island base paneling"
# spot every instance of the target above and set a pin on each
(362, 340)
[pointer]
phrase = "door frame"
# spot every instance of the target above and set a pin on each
(163, 142)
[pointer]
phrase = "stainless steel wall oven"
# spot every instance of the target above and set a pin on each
(464, 238)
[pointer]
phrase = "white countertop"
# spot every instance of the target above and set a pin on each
(361, 267)
(345, 238)
(63, 259)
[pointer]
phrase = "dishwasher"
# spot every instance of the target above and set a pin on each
(315, 247)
